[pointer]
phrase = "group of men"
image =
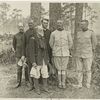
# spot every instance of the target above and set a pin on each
(38, 47)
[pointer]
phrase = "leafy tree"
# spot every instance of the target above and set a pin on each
(4, 9)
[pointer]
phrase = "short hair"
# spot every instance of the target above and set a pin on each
(20, 24)
(60, 20)
(85, 21)
(44, 19)
(30, 21)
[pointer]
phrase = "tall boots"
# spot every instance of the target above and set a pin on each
(36, 85)
(37, 88)
(31, 87)
(19, 76)
(26, 74)
(45, 86)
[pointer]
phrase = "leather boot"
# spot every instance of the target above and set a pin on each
(36, 85)
(31, 87)
(45, 88)
(19, 76)
(26, 74)
(17, 85)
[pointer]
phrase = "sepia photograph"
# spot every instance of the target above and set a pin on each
(49, 50)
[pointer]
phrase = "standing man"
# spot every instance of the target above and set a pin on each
(18, 47)
(85, 47)
(28, 34)
(41, 53)
(61, 43)
(47, 34)
(39, 59)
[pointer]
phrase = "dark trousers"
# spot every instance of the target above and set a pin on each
(28, 71)
(19, 72)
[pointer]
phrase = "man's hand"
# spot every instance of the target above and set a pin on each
(34, 64)
(25, 65)
(13, 49)
(94, 55)
(23, 58)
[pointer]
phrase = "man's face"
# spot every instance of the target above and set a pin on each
(21, 28)
(59, 24)
(30, 25)
(45, 24)
(83, 25)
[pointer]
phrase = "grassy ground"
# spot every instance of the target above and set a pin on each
(8, 81)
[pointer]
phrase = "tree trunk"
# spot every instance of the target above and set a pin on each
(36, 13)
(78, 18)
(55, 14)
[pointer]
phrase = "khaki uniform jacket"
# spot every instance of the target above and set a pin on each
(60, 42)
(85, 44)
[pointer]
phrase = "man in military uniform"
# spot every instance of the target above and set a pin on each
(18, 47)
(61, 43)
(27, 35)
(85, 47)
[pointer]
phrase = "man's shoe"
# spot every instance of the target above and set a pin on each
(31, 88)
(60, 86)
(46, 90)
(77, 86)
(27, 84)
(37, 91)
(88, 85)
(18, 85)
(64, 86)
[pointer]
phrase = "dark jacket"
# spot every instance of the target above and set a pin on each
(38, 50)
(27, 35)
(47, 34)
(18, 44)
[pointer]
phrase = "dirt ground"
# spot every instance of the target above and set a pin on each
(8, 81)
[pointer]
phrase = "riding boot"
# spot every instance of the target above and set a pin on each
(45, 88)
(36, 85)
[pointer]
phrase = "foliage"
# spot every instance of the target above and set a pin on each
(7, 55)
(4, 8)
(68, 14)
(16, 13)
